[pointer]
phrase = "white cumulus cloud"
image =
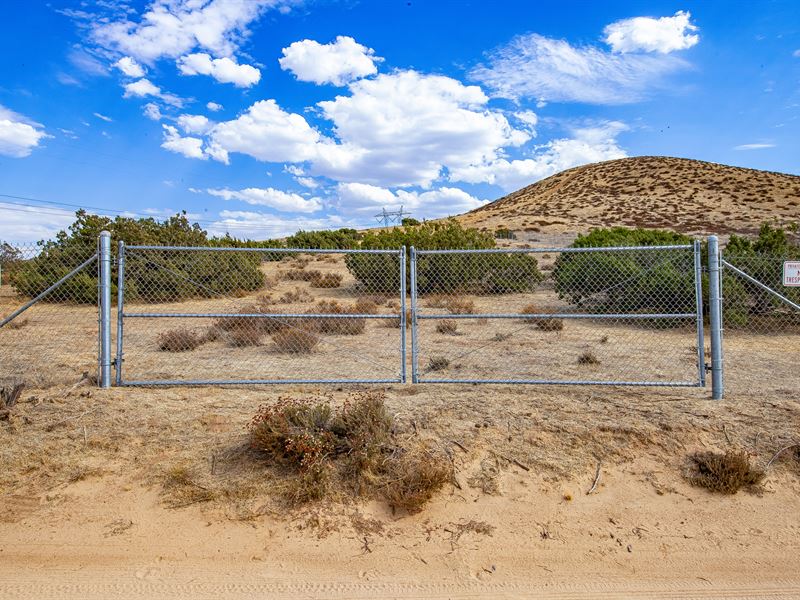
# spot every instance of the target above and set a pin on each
(587, 145)
(551, 70)
(18, 134)
(143, 88)
(258, 225)
(213, 106)
(152, 111)
(194, 124)
(339, 62)
(396, 130)
(172, 28)
(224, 70)
(190, 147)
(270, 197)
(268, 133)
(130, 67)
(28, 223)
(648, 34)
(441, 202)
(405, 128)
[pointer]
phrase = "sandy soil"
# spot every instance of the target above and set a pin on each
(86, 513)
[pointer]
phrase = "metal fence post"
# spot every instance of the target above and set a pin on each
(403, 316)
(104, 284)
(715, 317)
(414, 345)
(120, 309)
(698, 293)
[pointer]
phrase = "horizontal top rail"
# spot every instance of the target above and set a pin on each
(553, 250)
(163, 315)
(277, 250)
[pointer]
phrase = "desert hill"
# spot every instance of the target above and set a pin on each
(686, 195)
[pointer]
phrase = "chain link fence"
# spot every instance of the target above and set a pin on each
(236, 315)
(624, 316)
(48, 314)
(761, 317)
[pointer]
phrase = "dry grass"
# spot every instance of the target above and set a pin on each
(685, 195)
(438, 363)
(17, 323)
(326, 280)
(296, 340)
(366, 306)
(245, 336)
(181, 489)
(295, 296)
(447, 326)
(415, 477)
(179, 340)
(437, 300)
(339, 326)
(300, 274)
(349, 451)
(457, 305)
(542, 323)
(725, 473)
(588, 358)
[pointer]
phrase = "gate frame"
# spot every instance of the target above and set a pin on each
(122, 315)
(697, 315)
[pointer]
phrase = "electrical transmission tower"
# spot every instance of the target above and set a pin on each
(389, 216)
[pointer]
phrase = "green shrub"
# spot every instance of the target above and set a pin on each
(762, 258)
(343, 239)
(151, 275)
(504, 233)
(628, 281)
(475, 273)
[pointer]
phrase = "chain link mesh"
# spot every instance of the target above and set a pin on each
(761, 320)
(54, 340)
(563, 315)
(247, 315)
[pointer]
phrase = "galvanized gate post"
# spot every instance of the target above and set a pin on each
(414, 345)
(715, 317)
(104, 308)
(403, 315)
(120, 309)
(698, 294)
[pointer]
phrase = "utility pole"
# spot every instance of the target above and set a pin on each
(388, 216)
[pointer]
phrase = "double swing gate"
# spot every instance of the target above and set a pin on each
(606, 316)
(632, 316)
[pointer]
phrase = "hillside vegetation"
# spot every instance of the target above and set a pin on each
(688, 196)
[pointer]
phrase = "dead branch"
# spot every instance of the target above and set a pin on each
(596, 478)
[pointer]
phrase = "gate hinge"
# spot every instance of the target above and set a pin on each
(707, 367)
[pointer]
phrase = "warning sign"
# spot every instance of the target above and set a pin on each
(791, 273)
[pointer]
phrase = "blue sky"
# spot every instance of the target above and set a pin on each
(262, 117)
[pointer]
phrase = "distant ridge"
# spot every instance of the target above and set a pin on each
(685, 195)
